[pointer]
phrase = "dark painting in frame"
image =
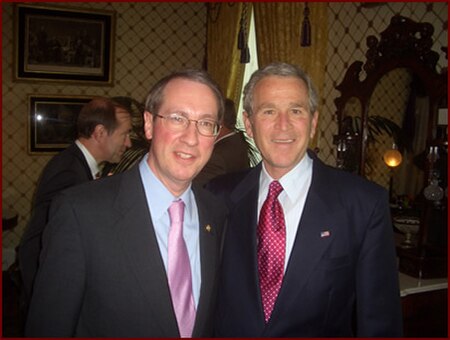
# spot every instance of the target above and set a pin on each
(52, 122)
(64, 45)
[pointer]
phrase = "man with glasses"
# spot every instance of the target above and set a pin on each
(137, 254)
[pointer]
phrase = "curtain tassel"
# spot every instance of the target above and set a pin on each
(305, 35)
(242, 37)
(245, 55)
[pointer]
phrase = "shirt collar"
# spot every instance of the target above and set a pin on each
(159, 198)
(290, 180)
(92, 163)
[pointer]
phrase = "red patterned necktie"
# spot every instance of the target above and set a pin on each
(179, 272)
(271, 248)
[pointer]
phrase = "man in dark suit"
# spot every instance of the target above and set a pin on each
(231, 150)
(321, 261)
(102, 128)
(107, 263)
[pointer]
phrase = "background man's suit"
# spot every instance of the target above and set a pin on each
(66, 169)
(230, 154)
(102, 238)
(342, 239)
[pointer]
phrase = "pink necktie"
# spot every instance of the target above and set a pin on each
(179, 272)
(271, 248)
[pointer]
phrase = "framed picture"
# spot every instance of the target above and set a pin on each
(63, 45)
(52, 122)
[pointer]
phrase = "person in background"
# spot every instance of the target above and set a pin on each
(136, 255)
(103, 128)
(309, 249)
(139, 143)
(231, 150)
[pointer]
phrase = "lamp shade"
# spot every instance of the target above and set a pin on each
(392, 158)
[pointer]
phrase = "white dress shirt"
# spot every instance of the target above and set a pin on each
(92, 163)
(295, 185)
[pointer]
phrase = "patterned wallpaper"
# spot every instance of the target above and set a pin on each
(153, 38)
(349, 25)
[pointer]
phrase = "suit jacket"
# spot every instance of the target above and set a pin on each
(66, 169)
(101, 272)
(230, 154)
(342, 264)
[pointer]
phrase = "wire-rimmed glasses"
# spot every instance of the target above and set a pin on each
(177, 122)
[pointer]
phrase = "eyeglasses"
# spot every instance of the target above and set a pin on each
(177, 122)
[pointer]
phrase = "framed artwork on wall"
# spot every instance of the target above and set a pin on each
(52, 122)
(63, 45)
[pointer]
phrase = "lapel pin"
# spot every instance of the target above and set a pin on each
(208, 228)
(325, 233)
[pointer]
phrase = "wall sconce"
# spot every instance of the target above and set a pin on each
(392, 158)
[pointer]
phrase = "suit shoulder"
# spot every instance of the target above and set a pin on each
(66, 160)
(209, 199)
(225, 184)
(99, 189)
(348, 182)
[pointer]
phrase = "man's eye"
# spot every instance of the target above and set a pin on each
(177, 119)
(268, 112)
(297, 112)
(206, 123)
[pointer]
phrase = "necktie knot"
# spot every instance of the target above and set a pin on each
(176, 211)
(275, 189)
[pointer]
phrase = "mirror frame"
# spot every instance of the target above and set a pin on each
(404, 44)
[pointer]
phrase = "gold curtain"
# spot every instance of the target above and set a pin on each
(278, 27)
(222, 53)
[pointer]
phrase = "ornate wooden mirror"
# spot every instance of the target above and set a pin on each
(401, 100)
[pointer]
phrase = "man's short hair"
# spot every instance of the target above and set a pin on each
(280, 70)
(156, 95)
(99, 110)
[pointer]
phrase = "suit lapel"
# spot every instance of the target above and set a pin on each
(208, 235)
(79, 154)
(141, 248)
(244, 200)
(314, 235)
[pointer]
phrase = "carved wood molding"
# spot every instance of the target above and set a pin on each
(402, 39)
(403, 44)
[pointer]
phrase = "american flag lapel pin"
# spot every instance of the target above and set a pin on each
(325, 233)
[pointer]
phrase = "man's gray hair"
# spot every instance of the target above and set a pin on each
(281, 70)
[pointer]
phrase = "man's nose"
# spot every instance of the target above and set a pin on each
(283, 120)
(190, 134)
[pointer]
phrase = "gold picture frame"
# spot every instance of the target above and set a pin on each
(52, 121)
(63, 45)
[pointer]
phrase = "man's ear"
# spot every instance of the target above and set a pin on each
(148, 125)
(99, 132)
(314, 122)
(247, 124)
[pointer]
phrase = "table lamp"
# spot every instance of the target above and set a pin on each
(392, 158)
